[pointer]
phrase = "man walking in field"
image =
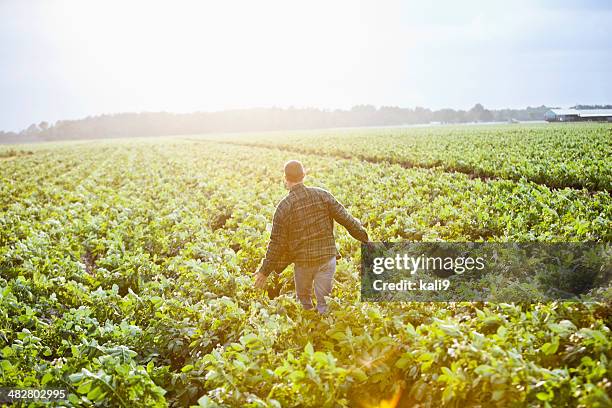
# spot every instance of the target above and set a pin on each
(303, 233)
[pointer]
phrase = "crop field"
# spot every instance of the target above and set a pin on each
(570, 155)
(126, 270)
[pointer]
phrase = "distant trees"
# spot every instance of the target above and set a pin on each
(9, 137)
(479, 114)
(32, 129)
(261, 119)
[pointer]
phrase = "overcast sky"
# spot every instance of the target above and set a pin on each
(70, 59)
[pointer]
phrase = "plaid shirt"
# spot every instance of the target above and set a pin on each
(303, 229)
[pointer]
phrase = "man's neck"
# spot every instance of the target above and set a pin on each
(293, 186)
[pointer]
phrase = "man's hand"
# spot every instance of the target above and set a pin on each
(260, 280)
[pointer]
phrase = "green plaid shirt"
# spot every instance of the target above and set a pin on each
(303, 229)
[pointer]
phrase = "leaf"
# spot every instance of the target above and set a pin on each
(46, 378)
(249, 339)
(426, 357)
(359, 375)
(450, 330)
(308, 349)
(311, 372)
(551, 348)
(95, 394)
(497, 395)
(338, 335)
(84, 387)
(543, 396)
(404, 361)
(297, 375)
(206, 402)
(76, 377)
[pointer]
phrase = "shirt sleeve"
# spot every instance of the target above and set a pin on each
(277, 256)
(342, 216)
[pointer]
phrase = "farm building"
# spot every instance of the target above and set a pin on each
(578, 115)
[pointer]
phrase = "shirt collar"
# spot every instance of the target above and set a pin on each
(296, 186)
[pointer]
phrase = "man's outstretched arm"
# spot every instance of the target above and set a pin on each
(342, 216)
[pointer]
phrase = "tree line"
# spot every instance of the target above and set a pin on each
(258, 119)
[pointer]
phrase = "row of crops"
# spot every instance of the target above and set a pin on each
(576, 156)
(126, 279)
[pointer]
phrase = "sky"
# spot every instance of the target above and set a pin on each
(68, 59)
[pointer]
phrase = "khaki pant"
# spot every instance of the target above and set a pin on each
(321, 277)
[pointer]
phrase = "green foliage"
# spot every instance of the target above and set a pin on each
(125, 277)
(559, 156)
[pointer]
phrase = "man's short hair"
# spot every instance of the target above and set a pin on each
(294, 171)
